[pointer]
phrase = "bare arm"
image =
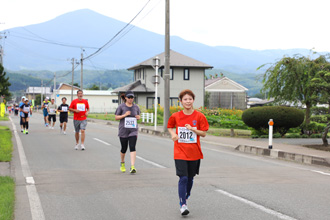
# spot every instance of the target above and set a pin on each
(174, 136)
(198, 132)
(119, 117)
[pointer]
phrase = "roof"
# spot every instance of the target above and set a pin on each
(236, 87)
(86, 92)
(62, 84)
(136, 86)
(176, 60)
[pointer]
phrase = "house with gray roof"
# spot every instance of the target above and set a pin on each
(225, 93)
(185, 73)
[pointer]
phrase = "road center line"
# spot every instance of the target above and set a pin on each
(103, 142)
(37, 212)
(138, 157)
(320, 172)
(150, 162)
(257, 206)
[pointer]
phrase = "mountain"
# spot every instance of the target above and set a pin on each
(26, 47)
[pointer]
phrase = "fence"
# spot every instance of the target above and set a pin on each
(146, 117)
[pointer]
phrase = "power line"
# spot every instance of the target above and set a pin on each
(98, 51)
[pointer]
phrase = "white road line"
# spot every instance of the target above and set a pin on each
(150, 162)
(257, 206)
(138, 157)
(320, 172)
(35, 204)
(103, 142)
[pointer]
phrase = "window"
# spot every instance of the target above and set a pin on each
(186, 74)
(174, 101)
(114, 100)
(171, 74)
(160, 72)
(150, 102)
(142, 73)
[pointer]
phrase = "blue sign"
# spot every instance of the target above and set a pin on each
(58, 95)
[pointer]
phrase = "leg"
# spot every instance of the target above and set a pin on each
(64, 128)
(189, 186)
(132, 143)
(77, 137)
(124, 146)
(82, 136)
(182, 186)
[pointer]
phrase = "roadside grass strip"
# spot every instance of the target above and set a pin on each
(7, 198)
(6, 146)
(5, 118)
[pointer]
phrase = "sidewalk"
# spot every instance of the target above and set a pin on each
(283, 148)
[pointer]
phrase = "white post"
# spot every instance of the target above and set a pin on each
(270, 135)
(156, 92)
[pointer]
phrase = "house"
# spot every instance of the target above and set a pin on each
(31, 92)
(185, 73)
(226, 93)
(100, 101)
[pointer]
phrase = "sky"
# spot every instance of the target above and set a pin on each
(249, 24)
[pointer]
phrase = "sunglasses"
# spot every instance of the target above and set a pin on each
(131, 97)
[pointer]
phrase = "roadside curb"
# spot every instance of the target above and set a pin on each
(273, 153)
(153, 132)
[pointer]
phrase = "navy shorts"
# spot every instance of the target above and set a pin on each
(187, 168)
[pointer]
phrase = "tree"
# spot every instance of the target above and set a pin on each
(321, 84)
(94, 87)
(290, 80)
(4, 84)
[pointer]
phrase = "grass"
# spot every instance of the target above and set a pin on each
(110, 117)
(7, 198)
(5, 118)
(6, 146)
(226, 132)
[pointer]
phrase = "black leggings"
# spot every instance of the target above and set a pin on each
(131, 141)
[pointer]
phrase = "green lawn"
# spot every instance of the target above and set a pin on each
(110, 117)
(7, 198)
(5, 118)
(6, 147)
(226, 132)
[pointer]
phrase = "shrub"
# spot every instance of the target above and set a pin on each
(319, 110)
(293, 135)
(277, 135)
(313, 127)
(284, 118)
(304, 136)
(316, 136)
(319, 118)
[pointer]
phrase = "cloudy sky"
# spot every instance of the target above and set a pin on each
(251, 24)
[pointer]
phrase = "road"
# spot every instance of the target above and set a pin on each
(72, 184)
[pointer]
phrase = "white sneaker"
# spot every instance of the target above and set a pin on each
(184, 210)
(52, 127)
(64, 132)
(82, 147)
(76, 147)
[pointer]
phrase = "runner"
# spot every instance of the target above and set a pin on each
(25, 111)
(45, 111)
(190, 125)
(52, 107)
(63, 109)
(80, 109)
(21, 114)
(128, 113)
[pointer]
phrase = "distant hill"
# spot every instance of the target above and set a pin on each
(25, 47)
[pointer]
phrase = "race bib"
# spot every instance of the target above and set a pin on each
(186, 136)
(130, 122)
(46, 106)
(64, 108)
(26, 109)
(81, 107)
(51, 110)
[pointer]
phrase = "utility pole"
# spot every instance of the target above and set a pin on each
(167, 66)
(72, 61)
(81, 69)
(54, 90)
(42, 94)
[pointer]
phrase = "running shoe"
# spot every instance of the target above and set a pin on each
(52, 127)
(122, 167)
(133, 170)
(46, 124)
(82, 147)
(184, 210)
(24, 131)
(64, 132)
(76, 147)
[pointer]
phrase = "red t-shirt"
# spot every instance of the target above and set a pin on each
(81, 105)
(188, 146)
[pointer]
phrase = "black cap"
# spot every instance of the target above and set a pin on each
(129, 94)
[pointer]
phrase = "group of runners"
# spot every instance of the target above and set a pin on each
(189, 126)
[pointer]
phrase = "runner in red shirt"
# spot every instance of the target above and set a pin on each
(190, 125)
(80, 109)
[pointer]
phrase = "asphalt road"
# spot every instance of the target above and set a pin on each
(88, 184)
